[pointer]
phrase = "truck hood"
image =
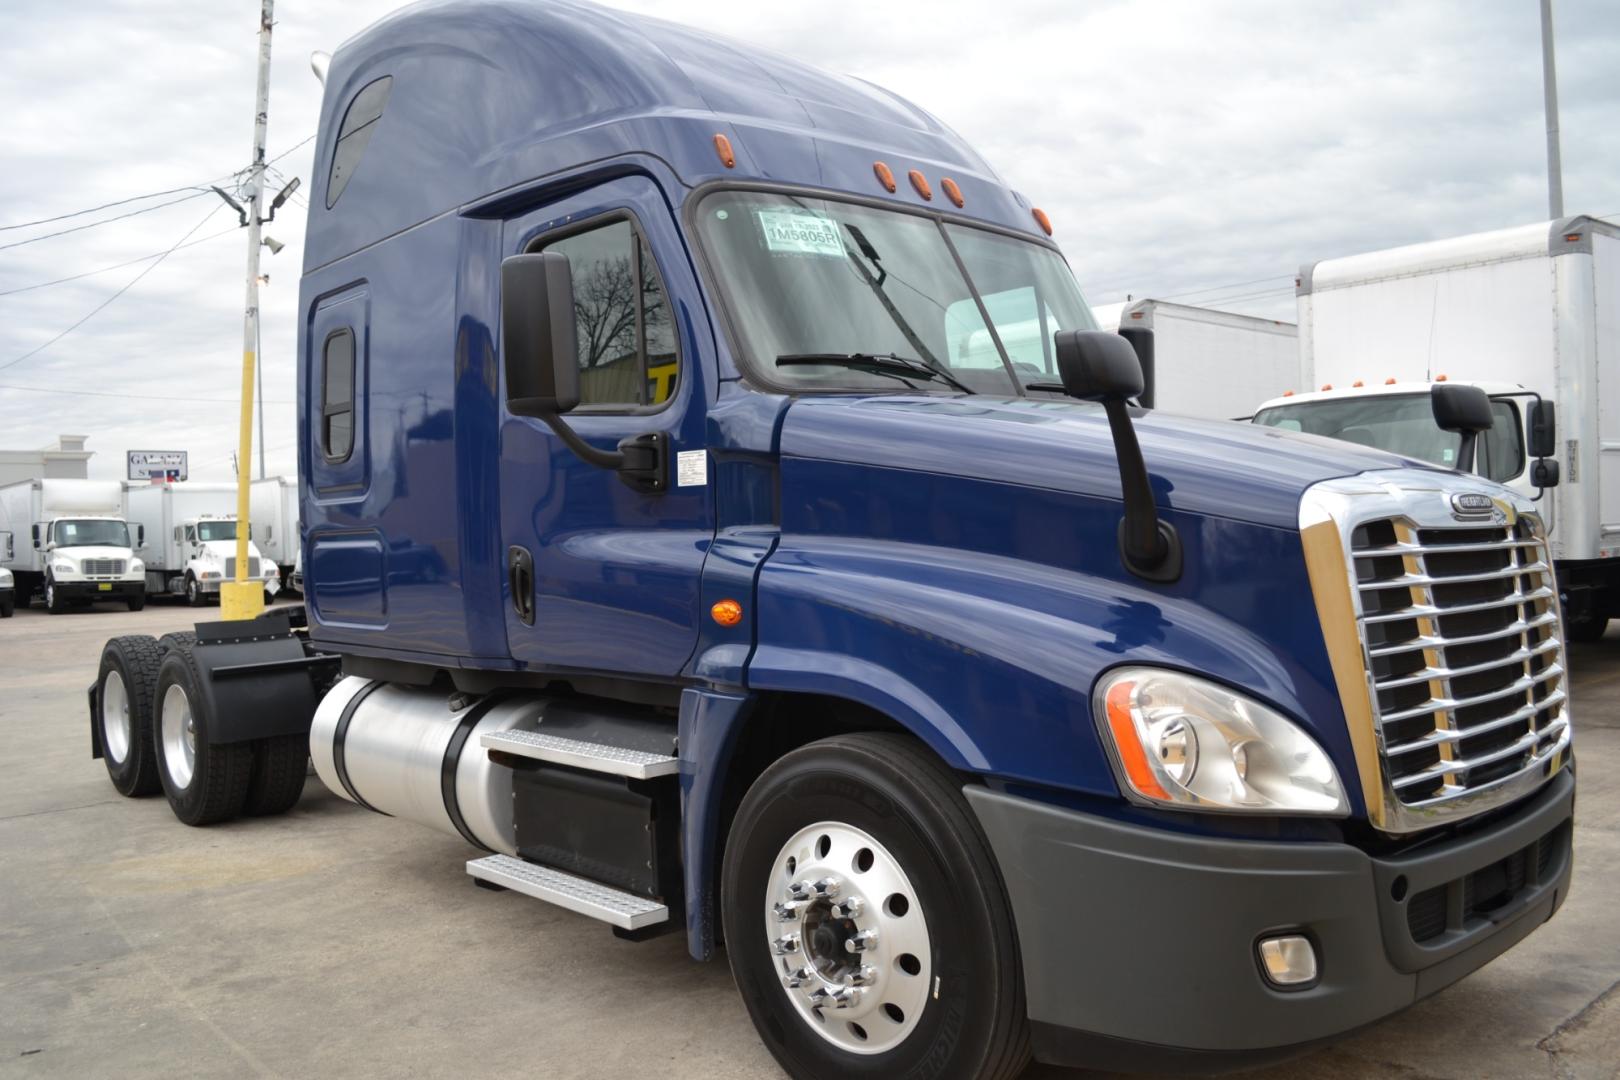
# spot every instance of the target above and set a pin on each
(220, 550)
(77, 552)
(1213, 467)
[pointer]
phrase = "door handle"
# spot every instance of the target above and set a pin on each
(520, 576)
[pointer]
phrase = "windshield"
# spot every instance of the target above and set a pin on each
(1404, 424)
(91, 531)
(813, 276)
(216, 530)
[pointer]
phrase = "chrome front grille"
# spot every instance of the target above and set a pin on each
(230, 567)
(101, 567)
(1463, 647)
(1452, 672)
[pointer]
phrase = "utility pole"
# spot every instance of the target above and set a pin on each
(242, 598)
(1549, 83)
(258, 369)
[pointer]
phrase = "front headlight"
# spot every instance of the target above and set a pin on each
(137, 567)
(63, 567)
(1184, 742)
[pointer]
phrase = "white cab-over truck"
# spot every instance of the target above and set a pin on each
(191, 539)
(1531, 315)
(67, 542)
(273, 512)
(1215, 364)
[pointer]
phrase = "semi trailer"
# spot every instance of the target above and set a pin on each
(273, 512)
(1531, 315)
(66, 541)
(1210, 363)
(668, 539)
(190, 540)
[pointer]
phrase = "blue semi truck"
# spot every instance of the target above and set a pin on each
(720, 508)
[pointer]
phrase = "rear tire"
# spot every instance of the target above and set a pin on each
(279, 767)
(127, 682)
(205, 783)
(938, 992)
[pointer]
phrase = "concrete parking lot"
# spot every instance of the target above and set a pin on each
(335, 942)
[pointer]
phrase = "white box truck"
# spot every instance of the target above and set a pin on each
(1531, 315)
(1215, 364)
(273, 511)
(67, 542)
(190, 533)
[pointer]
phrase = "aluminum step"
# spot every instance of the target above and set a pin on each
(595, 757)
(625, 910)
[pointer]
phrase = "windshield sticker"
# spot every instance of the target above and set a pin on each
(800, 233)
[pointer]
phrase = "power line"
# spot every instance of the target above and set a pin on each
(291, 148)
(103, 221)
(129, 285)
(116, 266)
(93, 209)
(1223, 288)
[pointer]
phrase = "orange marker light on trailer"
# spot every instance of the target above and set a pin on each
(726, 612)
(1440, 378)
(1042, 220)
(885, 176)
(1327, 386)
(1131, 754)
(1389, 382)
(1358, 382)
(920, 182)
(1288, 393)
(952, 192)
(722, 147)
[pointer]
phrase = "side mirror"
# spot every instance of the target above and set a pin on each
(537, 331)
(542, 369)
(35, 529)
(1541, 440)
(140, 536)
(1099, 366)
(1544, 472)
(1141, 339)
(1465, 410)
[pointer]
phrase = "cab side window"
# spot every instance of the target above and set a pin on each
(625, 336)
(337, 396)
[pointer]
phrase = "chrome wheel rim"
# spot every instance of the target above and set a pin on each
(848, 936)
(115, 724)
(179, 737)
(50, 594)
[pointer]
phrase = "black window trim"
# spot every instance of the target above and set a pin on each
(327, 411)
(539, 242)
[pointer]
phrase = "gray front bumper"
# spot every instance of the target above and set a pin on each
(1138, 944)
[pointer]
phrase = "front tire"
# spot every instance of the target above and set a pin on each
(194, 594)
(55, 602)
(7, 606)
(866, 922)
(127, 681)
(205, 783)
(137, 603)
(1586, 626)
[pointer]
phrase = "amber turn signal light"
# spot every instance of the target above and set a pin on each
(1042, 220)
(726, 612)
(884, 174)
(952, 192)
(722, 147)
(920, 182)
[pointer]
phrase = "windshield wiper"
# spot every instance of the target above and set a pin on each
(877, 363)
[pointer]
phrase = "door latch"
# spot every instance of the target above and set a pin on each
(520, 576)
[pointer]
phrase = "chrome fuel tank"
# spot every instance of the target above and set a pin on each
(404, 751)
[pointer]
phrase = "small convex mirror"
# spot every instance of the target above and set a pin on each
(1542, 437)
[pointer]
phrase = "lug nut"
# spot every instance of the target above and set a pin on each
(824, 889)
(865, 975)
(861, 942)
(849, 908)
(788, 912)
(796, 979)
(785, 945)
(842, 998)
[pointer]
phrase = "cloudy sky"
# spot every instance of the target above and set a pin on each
(1193, 149)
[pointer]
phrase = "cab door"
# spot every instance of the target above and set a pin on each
(602, 577)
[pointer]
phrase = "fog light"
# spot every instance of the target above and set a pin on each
(1288, 961)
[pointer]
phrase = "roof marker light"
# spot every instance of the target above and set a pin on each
(1327, 386)
(885, 176)
(1358, 382)
(1288, 393)
(920, 182)
(1390, 381)
(1440, 378)
(952, 192)
(722, 146)
(1042, 220)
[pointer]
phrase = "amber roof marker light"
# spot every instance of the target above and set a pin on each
(722, 147)
(920, 182)
(885, 176)
(952, 192)
(1042, 220)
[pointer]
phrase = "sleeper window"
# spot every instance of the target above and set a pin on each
(625, 339)
(337, 396)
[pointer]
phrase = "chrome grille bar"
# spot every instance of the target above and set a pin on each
(1426, 610)
(1407, 581)
(1514, 629)
(1429, 674)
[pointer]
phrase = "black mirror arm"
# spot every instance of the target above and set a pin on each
(1150, 547)
(1465, 451)
(602, 459)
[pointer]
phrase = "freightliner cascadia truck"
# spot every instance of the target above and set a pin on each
(664, 538)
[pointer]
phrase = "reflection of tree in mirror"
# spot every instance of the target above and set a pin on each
(605, 312)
